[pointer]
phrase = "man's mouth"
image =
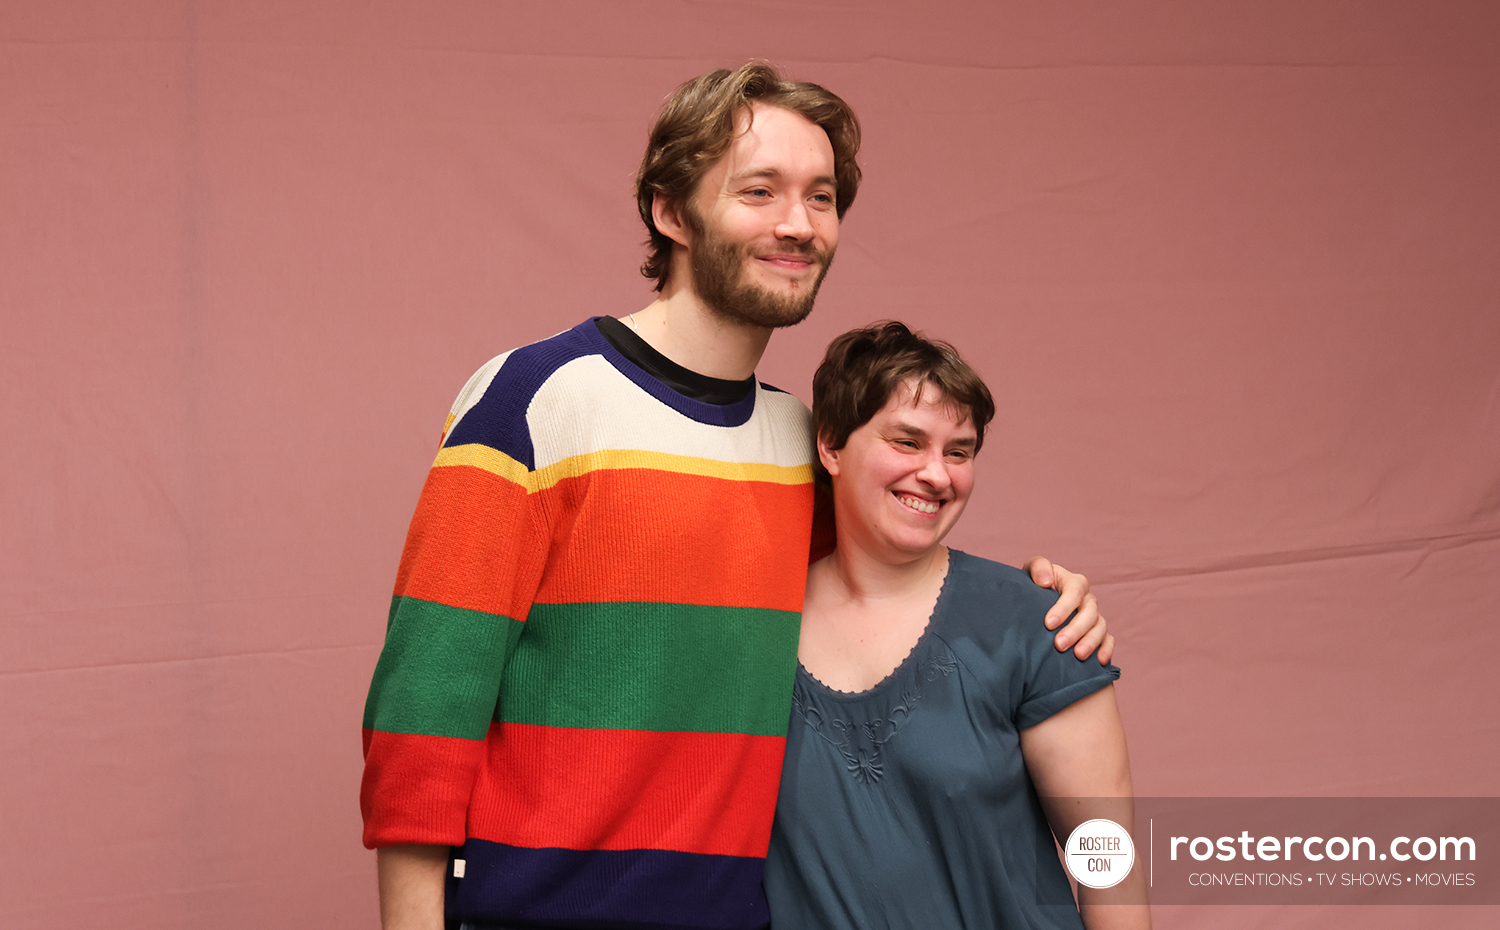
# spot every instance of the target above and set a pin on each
(789, 262)
(917, 504)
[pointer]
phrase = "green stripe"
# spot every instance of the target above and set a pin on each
(439, 673)
(644, 666)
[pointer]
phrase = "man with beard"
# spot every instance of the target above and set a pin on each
(580, 712)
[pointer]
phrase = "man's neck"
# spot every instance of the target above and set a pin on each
(679, 326)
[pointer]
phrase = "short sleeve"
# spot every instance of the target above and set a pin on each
(1042, 706)
(999, 611)
(1055, 679)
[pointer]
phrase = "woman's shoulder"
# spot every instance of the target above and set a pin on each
(994, 626)
(980, 566)
(981, 585)
(995, 608)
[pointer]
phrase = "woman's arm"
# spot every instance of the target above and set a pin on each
(1075, 756)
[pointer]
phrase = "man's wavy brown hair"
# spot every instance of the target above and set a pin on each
(696, 126)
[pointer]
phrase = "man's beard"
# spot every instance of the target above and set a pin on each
(719, 279)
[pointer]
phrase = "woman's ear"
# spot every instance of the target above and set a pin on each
(829, 457)
(667, 215)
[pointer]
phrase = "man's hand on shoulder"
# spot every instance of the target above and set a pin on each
(1087, 631)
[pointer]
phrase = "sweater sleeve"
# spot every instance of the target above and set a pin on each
(469, 570)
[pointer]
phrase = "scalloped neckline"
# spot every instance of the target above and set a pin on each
(909, 660)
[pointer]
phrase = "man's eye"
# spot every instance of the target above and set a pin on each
(825, 199)
(758, 193)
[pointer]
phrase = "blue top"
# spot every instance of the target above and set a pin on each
(909, 805)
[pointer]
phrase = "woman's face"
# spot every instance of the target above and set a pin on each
(902, 480)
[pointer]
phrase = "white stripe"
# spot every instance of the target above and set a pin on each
(587, 405)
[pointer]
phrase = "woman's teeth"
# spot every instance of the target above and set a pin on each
(915, 504)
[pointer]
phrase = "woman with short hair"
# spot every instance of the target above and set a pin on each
(936, 732)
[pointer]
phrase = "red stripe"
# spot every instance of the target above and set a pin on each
(711, 793)
(641, 535)
(416, 788)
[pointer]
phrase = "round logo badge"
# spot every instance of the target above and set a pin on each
(1099, 853)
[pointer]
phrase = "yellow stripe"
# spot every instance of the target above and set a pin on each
(491, 460)
(664, 461)
(498, 463)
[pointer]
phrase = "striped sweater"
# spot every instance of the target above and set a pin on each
(587, 671)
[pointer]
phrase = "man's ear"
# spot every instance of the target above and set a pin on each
(829, 457)
(667, 215)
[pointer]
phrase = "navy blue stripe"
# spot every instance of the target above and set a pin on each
(599, 889)
(735, 414)
(498, 419)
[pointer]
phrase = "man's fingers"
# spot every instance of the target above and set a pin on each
(1087, 631)
(1092, 639)
(1061, 611)
(1087, 616)
(1070, 590)
(1040, 571)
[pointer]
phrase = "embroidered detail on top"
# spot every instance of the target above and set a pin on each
(863, 744)
(934, 664)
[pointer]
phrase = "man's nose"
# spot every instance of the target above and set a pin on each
(795, 223)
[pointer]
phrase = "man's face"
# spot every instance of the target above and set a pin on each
(764, 221)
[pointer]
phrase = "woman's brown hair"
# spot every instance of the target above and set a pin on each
(863, 368)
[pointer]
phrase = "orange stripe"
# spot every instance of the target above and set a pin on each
(711, 793)
(646, 535)
(416, 788)
(473, 543)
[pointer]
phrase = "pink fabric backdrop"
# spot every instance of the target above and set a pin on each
(1232, 269)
